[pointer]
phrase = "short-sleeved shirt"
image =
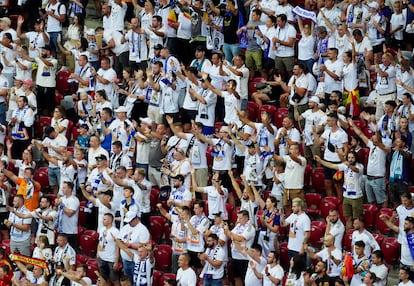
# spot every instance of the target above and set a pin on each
(299, 224)
(30, 191)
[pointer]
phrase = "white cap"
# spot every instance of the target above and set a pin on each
(121, 109)
(130, 216)
(373, 4)
(146, 120)
(90, 32)
(315, 99)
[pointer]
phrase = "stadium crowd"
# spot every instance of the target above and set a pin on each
(248, 142)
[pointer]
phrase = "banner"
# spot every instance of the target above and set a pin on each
(29, 260)
(304, 13)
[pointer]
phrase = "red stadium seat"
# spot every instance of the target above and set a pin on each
(62, 84)
(69, 130)
(81, 229)
(361, 124)
(156, 276)
(284, 255)
(380, 224)
(209, 156)
(217, 126)
(205, 209)
(348, 240)
(75, 133)
(155, 194)
(162, 254)
(92, 264)
(58, 98)
(278, 119)
(252, 108)
(157, 227)
(378, 238)
(165, 277)
(316, 233)
(283, 232)
(312, 203)
(325, 207)
(88, 244)
(363, 154)
(307, 178)
(336, 201)
(341, 213)
(370, 215)
(367, 132)
(391, 249)
(81, 259)
(40, 125)
(41, 176)
(258, 217)
(82, 213)
(229, 208)
(92, 233)
(6, 245)
(317, 178)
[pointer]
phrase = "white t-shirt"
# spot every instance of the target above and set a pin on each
(350, 76)
(337, 230)
(230, 103)
(330, 83)
(110, 76)
(293, 134)
(381, 272)
(403, 212)
(184, 28)
(370, 243)
(195, 242)
(303, 82)
(299, 224)
(352, 181)
(186, 277)
(117, 15)
(15, 233)
(118, 39)
(133, 235)
(376, 161)
(197, 153)
(251, 278)
(276, 272)
(102, 210)
(304, 51)
(247, 231)
(294, 172)
(386, 84)
(107, 245)
(68, 224)
(338, 139)
(284, 34)
(67, 251)
(223, 154)
(242, 82)
(265, 137)
(53, 25)
(311, 119)
(396, 21)
(216, 201)
(216, 254)
(333, 269)
(58, 141)
(206, 111)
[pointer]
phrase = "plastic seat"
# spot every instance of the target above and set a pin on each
(62, 84)
(307, 178)
(165, 277)
(92, 233)
(316, 233)
(378, 238)
(82, 213)
(154, 195)
(162, 256)
(266, 194)
(93, 266)
(69, 130)
(333, 200)
(361, 124)
(157, 227)
(312, 203)
(75, 133)
(363, 154)
(81, 259)
(6, 245)
(156, 276)
(205, 209)
(41, 176)
(229, 208)
(318, 180)
(391, 249)
(40, 125)
(58, 98)
(347, 241)
(380, 224)
(88, 244)
(325, 207)
(284, 255)
(218, 125)
(278, 119)
(252, 108)
(367, 132)
(209, 156)
(258, 217)
(369, 214)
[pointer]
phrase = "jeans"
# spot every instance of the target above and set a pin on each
(53, 36)
(375, 190)
(3, 113)
(128, 269)
(230, 51)
(212, 282)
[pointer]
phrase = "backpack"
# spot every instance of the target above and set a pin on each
(66, 22)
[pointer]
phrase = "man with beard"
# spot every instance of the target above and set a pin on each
(335, 227)
(137, 42)
(45, 217)
(321, 277)
(407, 246)
(273, 272)
(330, 255)
(46, 80)
(213, 260)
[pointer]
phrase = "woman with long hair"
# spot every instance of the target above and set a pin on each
(43, 250)
(73, 35)
(59, 121)
(26, 161)
(350, 80)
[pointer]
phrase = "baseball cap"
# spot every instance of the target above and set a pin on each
(101, 157)
(130, 215)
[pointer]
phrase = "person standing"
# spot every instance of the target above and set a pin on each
(56, 15)
(19, 228)
(214, 262)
